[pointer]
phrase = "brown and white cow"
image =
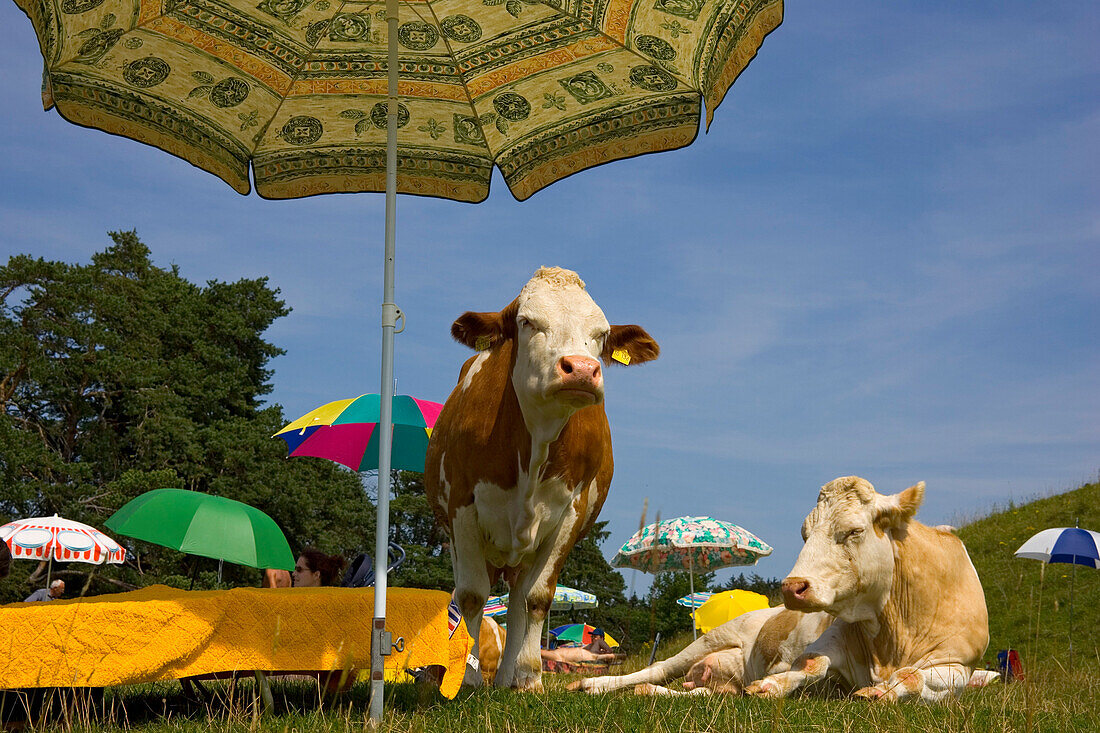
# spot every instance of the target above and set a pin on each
(519, 462)
(728, 657)
(910, 610)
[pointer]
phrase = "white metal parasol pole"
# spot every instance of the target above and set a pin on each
(691, 575)
(382, 640)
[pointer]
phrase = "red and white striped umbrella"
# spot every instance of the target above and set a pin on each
(57, 538)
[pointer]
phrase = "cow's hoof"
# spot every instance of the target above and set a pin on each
(531, 684)
(870, 693)
(577, 686)
(646, 688)
(762, 689)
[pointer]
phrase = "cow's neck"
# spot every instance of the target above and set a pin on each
(539, 501)
(903, 628)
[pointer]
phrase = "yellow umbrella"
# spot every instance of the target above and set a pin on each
(726, 605)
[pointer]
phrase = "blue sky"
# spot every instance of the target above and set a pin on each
(882, 260)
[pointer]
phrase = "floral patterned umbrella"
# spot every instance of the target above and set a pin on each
(690, 543)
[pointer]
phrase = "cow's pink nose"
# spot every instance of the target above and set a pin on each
(579, 370)
(795, 588)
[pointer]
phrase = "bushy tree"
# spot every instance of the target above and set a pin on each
(669, 617)
(756, 583)
(413, 526)
(117, 377)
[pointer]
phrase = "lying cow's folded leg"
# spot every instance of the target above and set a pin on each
(807, 669)
(930, 684)
(666, 670)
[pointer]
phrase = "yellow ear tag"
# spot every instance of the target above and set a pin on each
(483, 343)
(621, 355)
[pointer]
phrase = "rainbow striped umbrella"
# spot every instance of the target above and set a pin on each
(346, 432)
(695, 600)
(494, 606)
(57, 538)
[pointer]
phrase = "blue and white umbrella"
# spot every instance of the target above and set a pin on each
(1063, 544)
(1071, 545)
(694, 600)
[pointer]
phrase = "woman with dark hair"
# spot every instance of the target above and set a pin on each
(315, 569)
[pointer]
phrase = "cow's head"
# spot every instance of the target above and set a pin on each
(560, 336)
(846, 566)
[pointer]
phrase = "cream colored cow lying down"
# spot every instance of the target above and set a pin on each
(891, 609)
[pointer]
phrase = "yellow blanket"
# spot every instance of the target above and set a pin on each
(159, 633)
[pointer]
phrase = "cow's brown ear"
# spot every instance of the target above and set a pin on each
(479, 331)
(897, 509)
(483, 331)
(629, 345)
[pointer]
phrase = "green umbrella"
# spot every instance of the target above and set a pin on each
(206, 525)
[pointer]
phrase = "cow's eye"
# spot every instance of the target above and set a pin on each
(853, 534)
(523, 322)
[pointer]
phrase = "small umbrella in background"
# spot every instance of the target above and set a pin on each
(206, 525)
(495, 606)
(346, 432)
(693, 600)
(580, 634)
(565, 599)
(690, 544)
(64, 540)
(726, 605)
(1071, 545)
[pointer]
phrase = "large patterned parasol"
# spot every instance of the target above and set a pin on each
(691, 544)
(307, 94)
(296, 90)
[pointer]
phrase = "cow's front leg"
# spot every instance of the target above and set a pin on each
(471, 585)
(528, 674)
(931, 684)
(826, 653)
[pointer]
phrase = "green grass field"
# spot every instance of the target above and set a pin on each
(1059, 694)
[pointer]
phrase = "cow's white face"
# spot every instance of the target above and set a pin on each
(846, 566)
(560, 334)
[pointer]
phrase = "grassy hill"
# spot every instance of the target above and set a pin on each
(1013, 587)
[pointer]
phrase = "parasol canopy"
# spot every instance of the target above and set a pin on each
(690, 543)
(726, 605)
(694, 600)
(205, 525)
(580, 634)
(294, 92)
(346, 432)
(64, 540)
